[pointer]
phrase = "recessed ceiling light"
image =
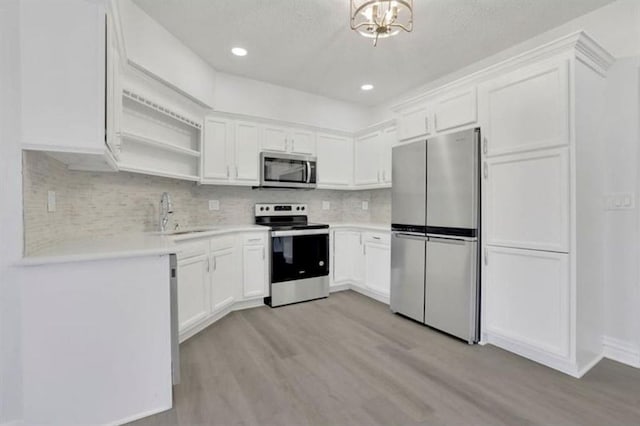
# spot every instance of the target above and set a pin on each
(367, 87)
(239, 51)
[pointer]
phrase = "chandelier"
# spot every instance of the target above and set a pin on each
(381, 18)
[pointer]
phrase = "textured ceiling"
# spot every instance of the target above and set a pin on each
(307, 44)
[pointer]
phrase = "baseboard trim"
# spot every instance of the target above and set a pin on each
(621, 351)
(138, 416)
(350, 285)
(13, 423)
(339, 287)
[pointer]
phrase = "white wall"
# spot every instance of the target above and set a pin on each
(10, 214)
(245, 96)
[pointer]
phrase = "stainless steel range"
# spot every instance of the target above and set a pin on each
(299, 254)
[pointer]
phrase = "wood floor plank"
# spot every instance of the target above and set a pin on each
(347, 360)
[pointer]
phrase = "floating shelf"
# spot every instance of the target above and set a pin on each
(167, 146)
(159, 108)
(134, 169)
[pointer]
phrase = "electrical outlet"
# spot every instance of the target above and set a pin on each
(51, 201)
(619, 201)
(365, 205)
(214, 205)
(326, 205)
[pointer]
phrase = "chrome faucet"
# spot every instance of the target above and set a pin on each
(166, 208)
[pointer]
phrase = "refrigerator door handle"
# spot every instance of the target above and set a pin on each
(451, 239)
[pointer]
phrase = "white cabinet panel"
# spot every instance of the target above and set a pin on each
(274, 138)
(389, 139)
(247, 151)
(378, 267)
(302, 142)
(367, 159)
(455, 110)
(414, 122)
(528, 109)
(216, 149)
(254, 270)
(335, 160)
(193, 291)
(225, 278)
(527, 298)
(527, 200)
(348, 256)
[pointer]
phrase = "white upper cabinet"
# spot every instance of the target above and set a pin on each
(367, 159)
(389, 139)
(302, 142)
(64, 63)
(246, 158)
(414, 122)
(274, 138)
(335, 161)
(230, 153)
(456, 109)
(527, 109)
(292, 140)
(527, 200)
(216, 152)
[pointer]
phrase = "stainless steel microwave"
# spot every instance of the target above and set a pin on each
(287, 171)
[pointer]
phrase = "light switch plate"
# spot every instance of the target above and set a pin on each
(214, 204)
(51, 201)
(326, 205)
(365, 205)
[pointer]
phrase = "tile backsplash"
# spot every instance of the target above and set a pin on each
(107, 204)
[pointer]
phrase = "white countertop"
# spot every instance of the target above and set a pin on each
(381, 227)
(211, 231)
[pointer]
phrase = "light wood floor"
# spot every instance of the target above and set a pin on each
(347, 360)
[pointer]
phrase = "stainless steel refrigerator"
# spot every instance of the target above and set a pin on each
(435, 233)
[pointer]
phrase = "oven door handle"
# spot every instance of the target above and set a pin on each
(299, 232)
(308, 171)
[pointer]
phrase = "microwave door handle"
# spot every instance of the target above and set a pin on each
(308, 171)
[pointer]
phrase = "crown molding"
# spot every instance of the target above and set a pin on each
(579, 44)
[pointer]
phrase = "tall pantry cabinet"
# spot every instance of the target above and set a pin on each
(543, 219)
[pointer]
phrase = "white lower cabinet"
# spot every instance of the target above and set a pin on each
(527, 298)
(225, 277)
(362, 260)
(216, 273)
(193, 290)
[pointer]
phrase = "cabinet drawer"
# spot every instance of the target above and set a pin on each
(254, 239)
(189, 249)
(223, 242)
(376, 237)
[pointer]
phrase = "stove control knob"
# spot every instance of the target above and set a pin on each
(261, 208)
(302, 208)
(267, 208)
(298, 208)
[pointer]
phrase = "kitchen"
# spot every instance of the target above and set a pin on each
(145, 157)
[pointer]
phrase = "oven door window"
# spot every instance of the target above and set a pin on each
(283, 170)
(298, 257)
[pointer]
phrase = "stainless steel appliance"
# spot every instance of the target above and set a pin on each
(435, 233)
(299, 254)
(175, 343)
(287, 171)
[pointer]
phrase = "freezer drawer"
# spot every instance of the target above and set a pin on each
(451, 287)
(407, 275)
(409, 176)
(452, 180)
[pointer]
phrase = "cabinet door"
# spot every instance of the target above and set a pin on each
(527, 200)
(274, 138)
(254, 271)
(389, 139)
(193, 291)
(225, 280)
(216, 149)
(367, 156)
(455, 110)
(526, 295)
(335, 160)
(302, 142)
(528, 109)
(413, 123)
(247, 152)
(347, 251)
(378, 267)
